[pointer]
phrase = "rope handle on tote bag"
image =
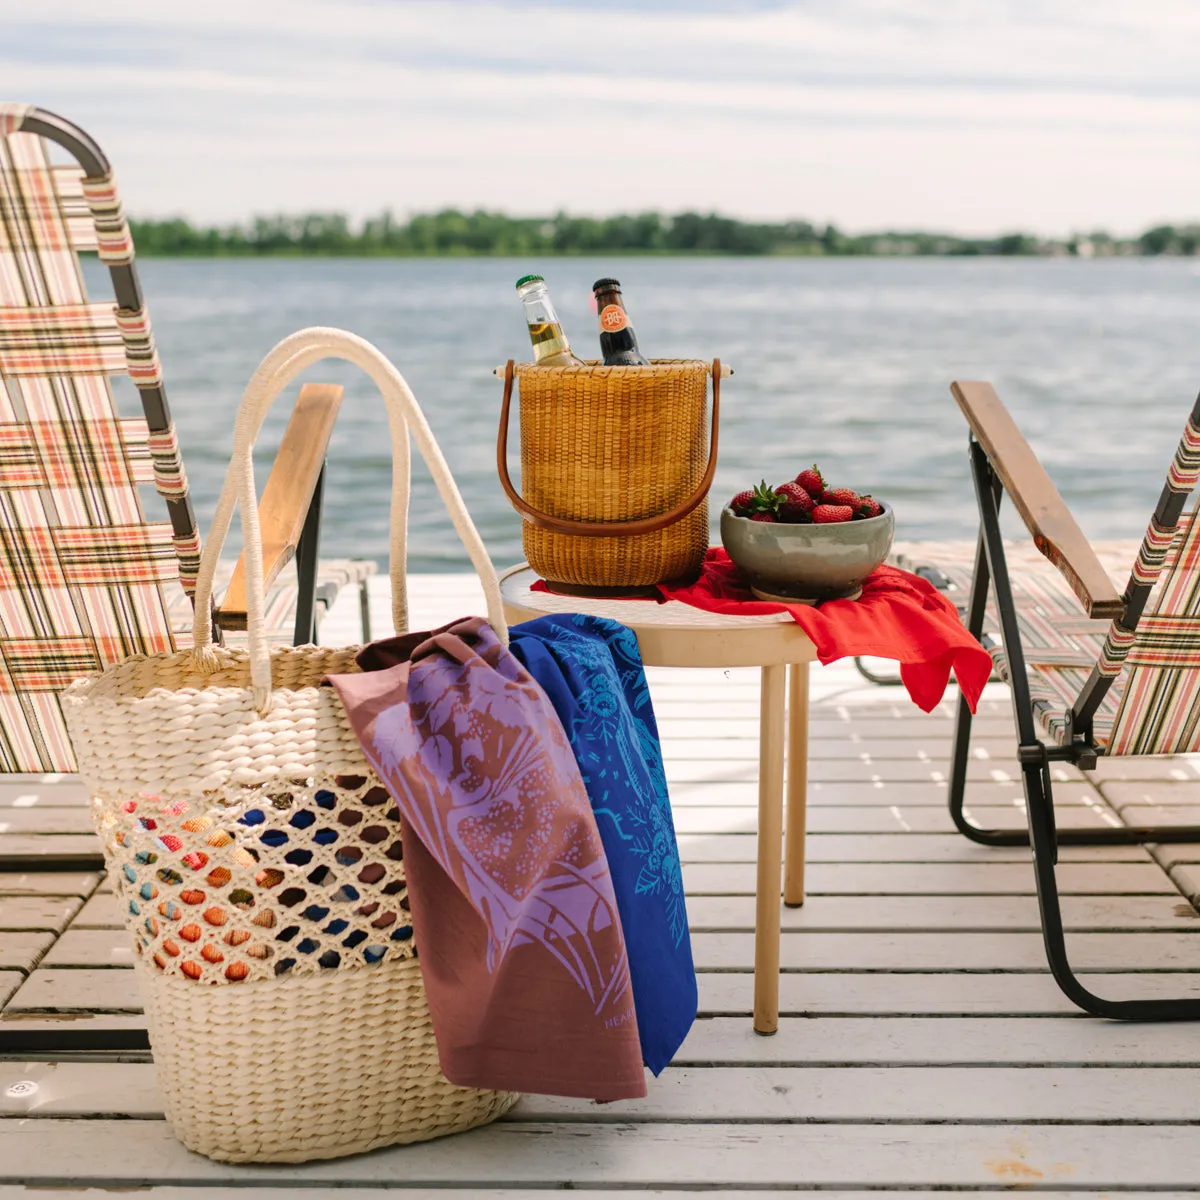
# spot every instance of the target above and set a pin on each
(537, 516)
(287, 360)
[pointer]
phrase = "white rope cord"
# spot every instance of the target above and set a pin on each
(282, 365)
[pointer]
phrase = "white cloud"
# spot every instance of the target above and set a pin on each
(973, 117)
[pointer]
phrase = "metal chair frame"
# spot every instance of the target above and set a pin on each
(1035, 756)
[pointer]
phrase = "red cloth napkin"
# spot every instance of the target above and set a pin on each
(899, 615)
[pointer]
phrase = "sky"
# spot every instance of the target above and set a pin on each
(969, 116)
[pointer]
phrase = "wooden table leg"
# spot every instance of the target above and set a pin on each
(770, 845)
(797, 785)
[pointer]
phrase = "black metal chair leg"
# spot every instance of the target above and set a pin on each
(306, 568)
(364, 610)
(1040, 810)
(980, 578)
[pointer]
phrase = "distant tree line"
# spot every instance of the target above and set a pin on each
(454, 233)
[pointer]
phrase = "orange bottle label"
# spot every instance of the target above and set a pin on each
(613, 318)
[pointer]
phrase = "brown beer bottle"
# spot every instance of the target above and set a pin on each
(618, 342)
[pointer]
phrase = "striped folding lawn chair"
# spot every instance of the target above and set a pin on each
(1092, 671)
(86, 578)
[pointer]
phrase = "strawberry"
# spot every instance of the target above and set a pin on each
(830, 514)
(760, 499)
(869, 507)
(842, 496)
(812, 481)
(796, 503)
(763, 516)
(742, 501)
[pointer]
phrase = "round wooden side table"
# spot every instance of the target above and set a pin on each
(677, 635)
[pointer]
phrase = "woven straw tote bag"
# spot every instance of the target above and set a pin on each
(616, 464)
(257, 857)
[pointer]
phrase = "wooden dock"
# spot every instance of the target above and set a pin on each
(922, 1045)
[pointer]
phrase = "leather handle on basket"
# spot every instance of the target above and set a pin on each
(604, 528)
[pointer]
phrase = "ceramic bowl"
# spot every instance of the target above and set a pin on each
(807, 562)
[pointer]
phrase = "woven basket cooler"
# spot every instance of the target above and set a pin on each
(257, 857)
(616, 463)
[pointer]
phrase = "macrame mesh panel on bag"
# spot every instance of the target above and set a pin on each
(282, 880)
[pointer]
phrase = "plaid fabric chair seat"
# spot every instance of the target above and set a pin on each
(1061, 644)
(1053, 687)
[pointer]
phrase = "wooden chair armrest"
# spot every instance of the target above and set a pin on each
(288, 493)
(1043, 510)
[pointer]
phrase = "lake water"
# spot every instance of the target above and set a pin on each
(842, 362)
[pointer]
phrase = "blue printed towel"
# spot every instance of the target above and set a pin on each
(591, 669)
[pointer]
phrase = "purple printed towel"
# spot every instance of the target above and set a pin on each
(513, 910)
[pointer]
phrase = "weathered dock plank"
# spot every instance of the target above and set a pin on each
(67, 818)
(942, 1040)
(931, 793)
(882, 948)
(22, 913)
(877, 818)
(91, 948)
(77, 989)
(947, 878)
(928, 993)
(10, 981)
(724, 993)
(49, 883)
(81, 846)
(19, 951)
(650, 1154)
(946, 914)
(887, 950)
(897, 848)
(767, 1094)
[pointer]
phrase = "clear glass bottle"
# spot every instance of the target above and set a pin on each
(550, 345)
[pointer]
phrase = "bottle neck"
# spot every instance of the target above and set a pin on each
(606, 300)
(550, 345)
(611, 314)
(538, 309)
